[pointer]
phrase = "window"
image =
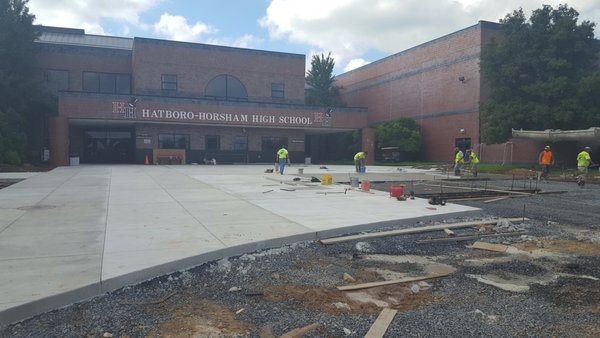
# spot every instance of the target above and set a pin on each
(277, 90)
(226, 87)
(213, 142)
(57, 80)
(168, 82)
(270, 142)
(240, 143)
(173, 141)
(106, 83)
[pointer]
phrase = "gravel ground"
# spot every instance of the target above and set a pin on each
(269, 293)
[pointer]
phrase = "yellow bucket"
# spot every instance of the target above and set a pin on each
(326, 179)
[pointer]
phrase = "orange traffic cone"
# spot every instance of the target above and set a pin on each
(146, 162)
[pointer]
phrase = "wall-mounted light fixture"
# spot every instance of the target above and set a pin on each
(462, 79)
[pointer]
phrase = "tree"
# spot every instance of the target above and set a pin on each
(403, 133)
(24, 102)
(540, 74)
(321, 89)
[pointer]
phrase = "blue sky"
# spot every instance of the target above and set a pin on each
(356, 32)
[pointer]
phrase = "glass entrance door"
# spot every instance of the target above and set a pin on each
(108, 146)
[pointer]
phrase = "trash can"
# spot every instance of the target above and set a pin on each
(354, 182)
(300, 171)
(74, 160)
(307, 160)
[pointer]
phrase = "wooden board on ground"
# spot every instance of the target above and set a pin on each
(489, 246)
(416, 230)
(389, 282)
(297, 333)
(381, 324)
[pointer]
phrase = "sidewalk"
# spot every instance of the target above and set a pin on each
(75, 232)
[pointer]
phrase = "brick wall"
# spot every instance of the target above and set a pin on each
(196, 64)
(438, 83)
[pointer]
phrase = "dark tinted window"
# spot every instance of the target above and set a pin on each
(226, 87)
(277, 90)
(168, 82)
(106, 83)
(173, 141)
(57, 80)
(240, 143)
(213, 142)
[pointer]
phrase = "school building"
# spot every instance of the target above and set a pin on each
(128, 100)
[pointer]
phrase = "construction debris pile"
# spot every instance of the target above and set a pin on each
(529, 268)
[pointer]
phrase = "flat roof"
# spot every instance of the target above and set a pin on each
(77, 37)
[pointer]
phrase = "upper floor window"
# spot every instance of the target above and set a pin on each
(57, 80)
(277, 90)
(168, 82)
(226, 87)
(106, 83)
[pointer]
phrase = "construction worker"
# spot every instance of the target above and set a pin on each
(545, 159)
(459, 159)
(583, 162)
(473, 160)
(282, 158)
(359, 160)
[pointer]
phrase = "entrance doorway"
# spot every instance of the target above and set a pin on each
(108, 145)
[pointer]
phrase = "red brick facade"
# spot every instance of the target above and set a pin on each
(149, 109)
(437, 83)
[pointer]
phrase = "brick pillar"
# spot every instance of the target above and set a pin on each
(368, 144)
(59, 141)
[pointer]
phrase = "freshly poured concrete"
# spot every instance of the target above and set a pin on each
(76, 232)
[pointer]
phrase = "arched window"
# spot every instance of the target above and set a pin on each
(226, 87)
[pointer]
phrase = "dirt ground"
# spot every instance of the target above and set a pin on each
(545, 284)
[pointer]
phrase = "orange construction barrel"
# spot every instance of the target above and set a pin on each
(365, 185)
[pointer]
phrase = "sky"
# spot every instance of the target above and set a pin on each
(356, 32)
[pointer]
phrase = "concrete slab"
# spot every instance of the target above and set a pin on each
(77, 231)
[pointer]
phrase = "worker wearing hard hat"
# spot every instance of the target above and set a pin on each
(546, 160)
(459, 159)
(584, 160)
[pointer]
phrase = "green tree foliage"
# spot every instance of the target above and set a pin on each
(404, 133)
(321, 90)
(542, 74)
(24, 102)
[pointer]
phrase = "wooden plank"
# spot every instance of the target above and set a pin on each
(470, 237)
(389, 282)
(480, 189)
(489, 246)
(297, 333)
(427, 228)
(381, 324)
(449, 232)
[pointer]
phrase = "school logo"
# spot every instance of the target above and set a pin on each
(126, 108)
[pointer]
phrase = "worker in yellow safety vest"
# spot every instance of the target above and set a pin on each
(473, 160)
(459, 160)
(584, 160)
(359, 161)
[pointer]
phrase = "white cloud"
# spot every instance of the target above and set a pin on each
(89, 14)
(355, 63)
(174, 27)
(246, 41)
(351, 28)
